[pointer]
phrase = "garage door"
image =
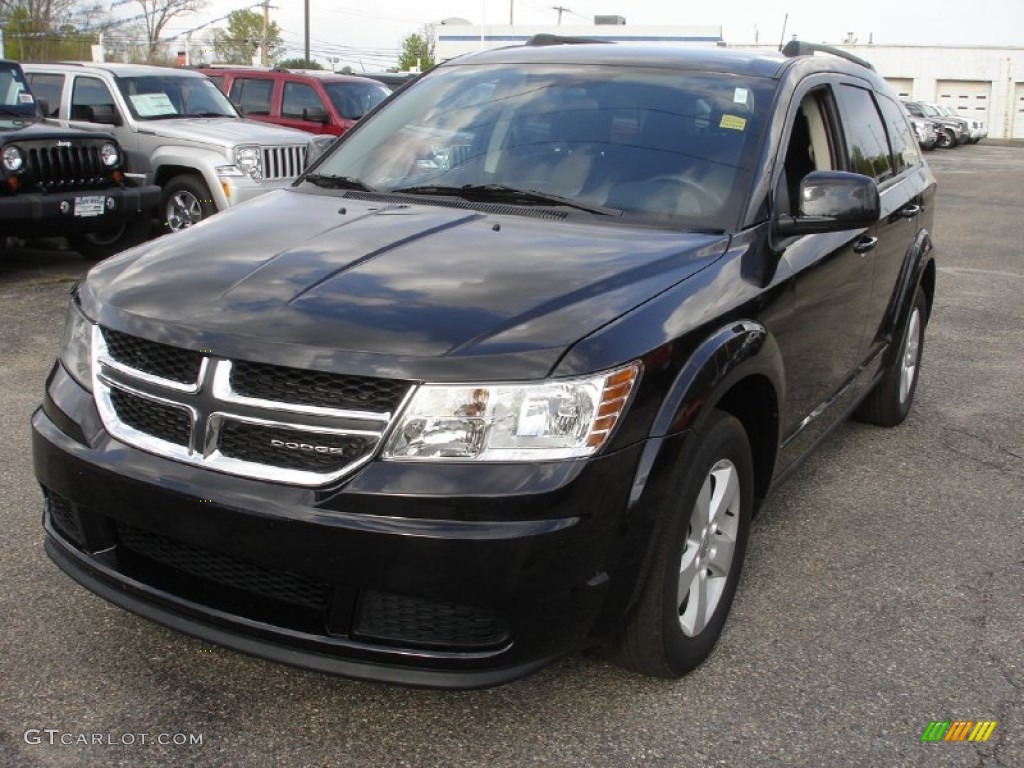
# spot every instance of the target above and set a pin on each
(969, 98)
(904, 87)
(1018, 111)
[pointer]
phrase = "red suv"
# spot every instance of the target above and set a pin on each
(318, 102)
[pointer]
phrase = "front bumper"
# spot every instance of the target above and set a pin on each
(445, 575)
(39, 215)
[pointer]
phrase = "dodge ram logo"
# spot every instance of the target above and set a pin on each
(305, 447)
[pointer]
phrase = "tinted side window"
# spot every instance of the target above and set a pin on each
(297, 98)
(252, 95)
(904, 145)
(218, 80)
(865, 134)
(89, 92)
(49, 88)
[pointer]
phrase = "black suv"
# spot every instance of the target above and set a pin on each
(61, 181)
(505, 374)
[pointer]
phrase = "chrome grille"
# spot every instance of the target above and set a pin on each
(283, 162)
(77, 166)
(255, 420)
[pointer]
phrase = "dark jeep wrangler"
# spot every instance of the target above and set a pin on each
(63, 182)
(506, 373)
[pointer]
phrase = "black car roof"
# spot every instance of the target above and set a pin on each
(757, 63)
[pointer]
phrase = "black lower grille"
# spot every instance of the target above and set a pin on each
(63, 518)
(167, 362)
(290, 448)
(165, 422)
(327, 390)
(222, 569)
(413, 621)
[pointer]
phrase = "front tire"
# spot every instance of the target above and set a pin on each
(186, 200)
(705, 522)
(947, 139)
(890, 401)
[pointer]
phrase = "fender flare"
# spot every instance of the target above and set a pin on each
(728, 355)
(912, 274)
(202, 162)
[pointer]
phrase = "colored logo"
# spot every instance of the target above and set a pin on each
(958, 730)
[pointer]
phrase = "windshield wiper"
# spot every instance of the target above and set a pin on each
(506, 194)
(327, 181)
(208, 114)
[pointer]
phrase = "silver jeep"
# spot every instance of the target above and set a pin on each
(177, 131)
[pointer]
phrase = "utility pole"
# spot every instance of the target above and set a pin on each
(307, 32)
(511, 6)
(560, 8)
(264, 53)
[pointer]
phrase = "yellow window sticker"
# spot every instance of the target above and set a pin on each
(733, 122)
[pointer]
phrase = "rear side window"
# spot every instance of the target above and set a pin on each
(49, 88)
(865, 133)
(252, 95)
(904, 146)
(298, 97)
(218, 80)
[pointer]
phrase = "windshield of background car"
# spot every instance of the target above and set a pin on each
(15, 97)
(668, 145)
(163, 97)
(353, 100)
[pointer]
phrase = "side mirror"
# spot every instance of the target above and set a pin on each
(104, 114)
(832, 201)
(314, 115)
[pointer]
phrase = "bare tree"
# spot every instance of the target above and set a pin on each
(157, 13)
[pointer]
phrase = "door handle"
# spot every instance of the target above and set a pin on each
(865, 244)
(910, 211)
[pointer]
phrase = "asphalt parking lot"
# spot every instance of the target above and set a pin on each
(882, 591)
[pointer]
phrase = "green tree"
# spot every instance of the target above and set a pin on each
(417, 51)
(299, 64)
(243, 37)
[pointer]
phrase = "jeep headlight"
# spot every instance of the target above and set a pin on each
(13, 159)
(557, 419)
(247, 158)
(76, 346)
(110, 155)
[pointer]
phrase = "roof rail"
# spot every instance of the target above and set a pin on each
(802, 48)
(546, 38)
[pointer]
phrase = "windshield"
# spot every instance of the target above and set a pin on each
(163, 97)
(931, 111)
(353, 100)
(659, 143)
(15, 96)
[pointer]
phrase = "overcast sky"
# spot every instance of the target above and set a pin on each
(370, 32)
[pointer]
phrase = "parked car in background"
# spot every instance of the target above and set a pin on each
(393, 80)
(178, 131)
(953, 130)
(976, 130)
(926, 131)
(507, 372)
(62, 182)
(310, 100)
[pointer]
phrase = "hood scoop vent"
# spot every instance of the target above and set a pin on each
(492, 208)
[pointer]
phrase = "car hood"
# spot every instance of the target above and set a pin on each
(224, 131)
(401, 290)
(29, 129)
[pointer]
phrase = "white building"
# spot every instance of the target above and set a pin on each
(977, 81)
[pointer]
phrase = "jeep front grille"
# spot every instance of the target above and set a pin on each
(55, 168)
(252, 419)
(283, 162)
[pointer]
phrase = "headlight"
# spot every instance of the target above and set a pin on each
(13, 159)
(512, 422)
(247, 158)
(76, 346)
(109, 155)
